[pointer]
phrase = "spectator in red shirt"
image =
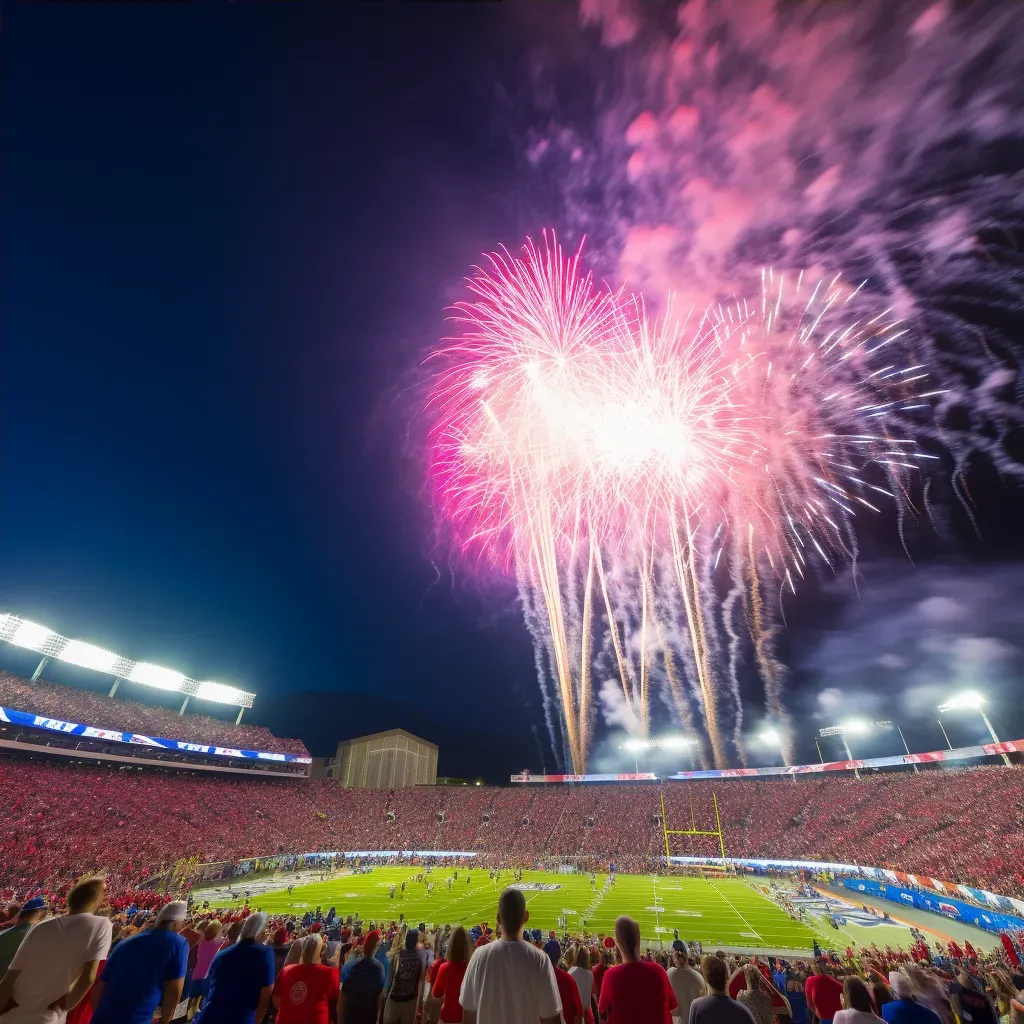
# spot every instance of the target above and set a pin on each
(601, 967)
(635, 991)
(448, 982)
(307, 992)
(568, 992)
(823, 993)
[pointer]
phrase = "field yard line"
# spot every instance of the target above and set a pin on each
(458, 900)
(657, 920)
(735, 911)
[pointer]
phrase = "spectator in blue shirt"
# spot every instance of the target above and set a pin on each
(362, 992)
(144, 972)
(241, 978)
(905, 1009)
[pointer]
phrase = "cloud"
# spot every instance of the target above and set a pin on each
(872, 139)
(941, 609)
(915, 636)
(835, 704)
(889, 660)
(614, 710)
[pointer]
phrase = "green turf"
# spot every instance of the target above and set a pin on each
(718, 912)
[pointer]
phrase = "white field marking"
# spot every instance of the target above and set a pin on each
(734, 910)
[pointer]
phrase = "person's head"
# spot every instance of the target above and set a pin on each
(512, 913)
(753, 977)
(172, 916)
(458, 946)
(412, 940)
(582, 957)
(880, 993)
(87, 896)
(715, 972)
(32, 911)
(900, 985)
(311, 949)
(627, 938)
(1017, 980)
(856, 995)
(252, 927)
(371, 942)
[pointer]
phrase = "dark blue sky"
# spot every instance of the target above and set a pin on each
(229, 231)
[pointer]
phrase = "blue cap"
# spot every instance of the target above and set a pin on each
(36, 903)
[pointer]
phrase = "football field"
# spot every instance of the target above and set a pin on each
(719, 912)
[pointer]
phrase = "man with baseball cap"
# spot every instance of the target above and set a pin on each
(144, 972)
(11, 938)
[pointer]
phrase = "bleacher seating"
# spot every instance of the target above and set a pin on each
(88, 708)
(60, 820)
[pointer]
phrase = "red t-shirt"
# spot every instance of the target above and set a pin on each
(447, 987)
(598, 974)
(569, 994)
(434, 968)
(637, 993)
(823, 994)
(306, 993)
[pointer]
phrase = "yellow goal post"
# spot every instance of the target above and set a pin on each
(692, 830)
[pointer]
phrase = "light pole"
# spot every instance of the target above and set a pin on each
(635, 746)
(854, 726)
(944, 736)
(971, 700)
(905, 747)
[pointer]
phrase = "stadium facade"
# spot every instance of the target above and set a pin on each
(394, 759)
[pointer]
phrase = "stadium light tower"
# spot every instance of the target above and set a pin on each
(971, 700)
(860, 727)
(851, 727)
(635, 745)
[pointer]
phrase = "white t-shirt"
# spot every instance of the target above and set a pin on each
(585, 983)
(510, 983)
(687, 984)
(856, 1017)
(49, 961)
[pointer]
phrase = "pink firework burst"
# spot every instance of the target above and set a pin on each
(609, 459)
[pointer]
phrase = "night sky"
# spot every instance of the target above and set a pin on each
(229, 234)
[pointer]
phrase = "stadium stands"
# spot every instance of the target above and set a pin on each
(63, 819)
(88, 708)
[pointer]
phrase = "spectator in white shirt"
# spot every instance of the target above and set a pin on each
(510, 981)
(57, 963)
(687, 982)
(584, 981)
(857, 1004)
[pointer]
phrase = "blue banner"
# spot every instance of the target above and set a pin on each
(112, 735)
(947, 906)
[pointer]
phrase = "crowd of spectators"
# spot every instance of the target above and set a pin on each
(118, 964)
(72, 704)
(61, 819)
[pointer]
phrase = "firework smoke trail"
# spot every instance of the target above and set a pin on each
(567, 424)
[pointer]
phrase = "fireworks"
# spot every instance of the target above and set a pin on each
(628, 470)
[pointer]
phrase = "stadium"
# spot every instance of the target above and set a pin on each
(513, 513)
(171, 803)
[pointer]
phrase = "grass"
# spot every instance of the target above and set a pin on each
(720, 912)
